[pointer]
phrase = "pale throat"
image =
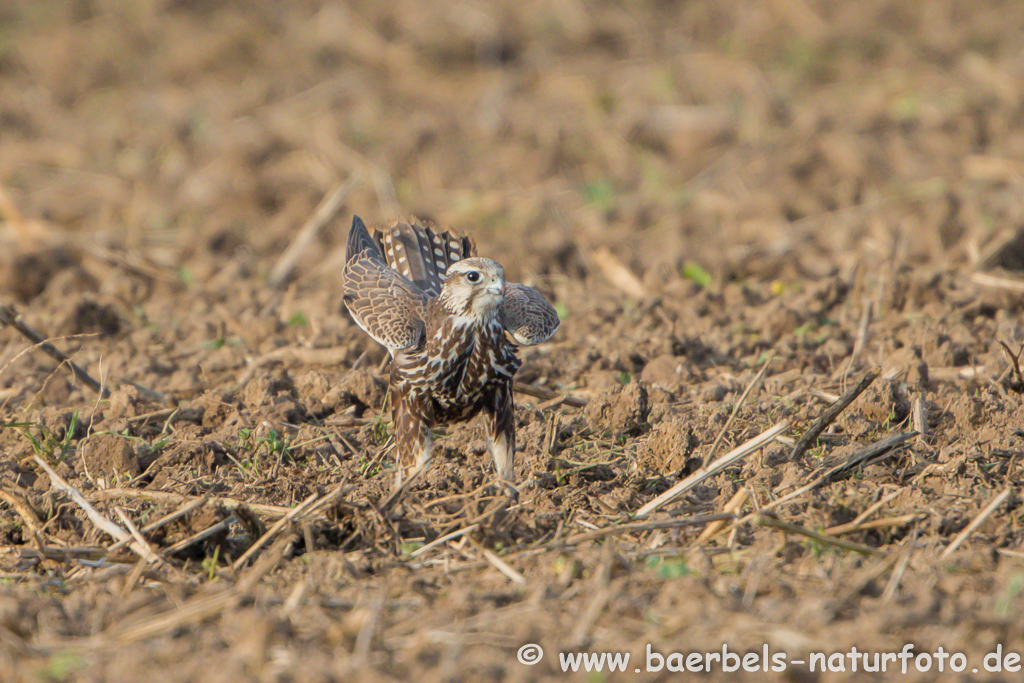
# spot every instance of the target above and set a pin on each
(478, 308)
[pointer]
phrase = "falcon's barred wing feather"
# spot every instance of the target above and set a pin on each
(383, 303)
(527, 315)
(421, 254)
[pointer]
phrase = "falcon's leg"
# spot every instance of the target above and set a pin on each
(412, 441)
(501, 431)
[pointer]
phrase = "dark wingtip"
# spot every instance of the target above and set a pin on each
(358, 238)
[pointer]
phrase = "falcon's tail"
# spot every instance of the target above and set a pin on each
(420, 254)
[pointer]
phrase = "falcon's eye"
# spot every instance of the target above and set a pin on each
(473, 276)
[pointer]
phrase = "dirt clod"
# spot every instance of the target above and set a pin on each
(108, 457)
(621, 409)
(361, 388)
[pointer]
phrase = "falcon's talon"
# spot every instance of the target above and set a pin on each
(442, 313)
(512, 492)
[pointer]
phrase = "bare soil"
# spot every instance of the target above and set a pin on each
(702, 188)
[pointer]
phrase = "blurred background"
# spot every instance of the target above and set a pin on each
(161, 156)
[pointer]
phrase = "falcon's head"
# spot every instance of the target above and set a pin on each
(473, 287)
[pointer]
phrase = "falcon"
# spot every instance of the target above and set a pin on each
(451, 324)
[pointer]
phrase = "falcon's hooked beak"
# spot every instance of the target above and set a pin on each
(496, 287)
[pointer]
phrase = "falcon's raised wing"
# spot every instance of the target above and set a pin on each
(527, 315)
(387, 306)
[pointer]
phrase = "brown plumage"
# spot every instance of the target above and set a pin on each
(442, 312)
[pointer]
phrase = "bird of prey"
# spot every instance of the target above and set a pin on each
(443, 314)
